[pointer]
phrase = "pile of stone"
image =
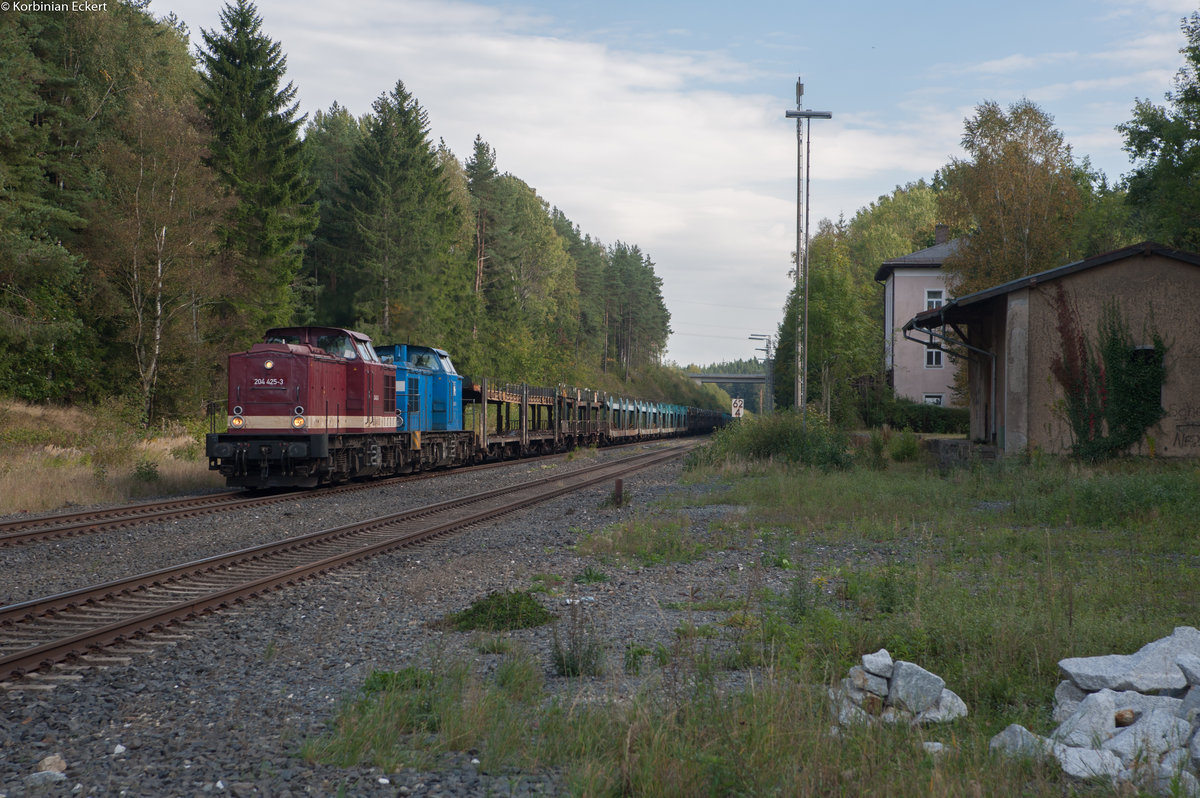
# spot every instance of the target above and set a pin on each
(1126, 717)
(894, 692)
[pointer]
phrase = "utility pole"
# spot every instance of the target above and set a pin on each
(802, 118)
(767, 405)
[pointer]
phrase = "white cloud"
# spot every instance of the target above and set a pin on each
(1019, 62)
(686, 152)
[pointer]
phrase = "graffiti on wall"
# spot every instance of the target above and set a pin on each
(1187, 436)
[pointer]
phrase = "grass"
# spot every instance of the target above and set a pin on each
(646, 540)
(987, 576)
(500, 611)
(60, 457)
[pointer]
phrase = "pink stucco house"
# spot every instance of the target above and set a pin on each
(912, 284)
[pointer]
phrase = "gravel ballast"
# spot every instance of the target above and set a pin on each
(224, 709)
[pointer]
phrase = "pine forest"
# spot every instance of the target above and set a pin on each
(160, 208)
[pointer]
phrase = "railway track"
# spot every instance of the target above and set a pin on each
(35, 635)
(27, 530)
(86, 522)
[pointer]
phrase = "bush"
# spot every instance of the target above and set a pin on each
(779, 436)
(501, 611)
(904, 447)
(918, 417)
(146, 471)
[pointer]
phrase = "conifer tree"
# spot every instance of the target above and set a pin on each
(481, 180)
(40, 212)
(590, 258)
(330, 261)
(402, 216)
(258, 155)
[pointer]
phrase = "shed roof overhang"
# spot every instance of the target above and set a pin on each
(973, 308)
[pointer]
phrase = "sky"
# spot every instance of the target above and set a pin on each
(662, 123)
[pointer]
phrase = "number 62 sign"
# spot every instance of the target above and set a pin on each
(738, 406)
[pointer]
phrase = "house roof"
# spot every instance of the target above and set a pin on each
(930, 257)
(962, 309)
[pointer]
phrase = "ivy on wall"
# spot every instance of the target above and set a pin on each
(1113, 390)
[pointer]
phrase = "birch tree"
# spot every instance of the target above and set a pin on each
(1016, 193)
(156, 233)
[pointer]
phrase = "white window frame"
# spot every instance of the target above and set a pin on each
(935, 399)
(934, 298)
(933, 357)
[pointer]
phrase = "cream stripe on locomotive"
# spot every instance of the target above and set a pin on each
(382, 423)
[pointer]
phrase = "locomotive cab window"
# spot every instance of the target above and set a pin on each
(283, 339)
(339, 345)
(365, 352)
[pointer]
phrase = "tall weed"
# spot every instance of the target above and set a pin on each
(785, 437)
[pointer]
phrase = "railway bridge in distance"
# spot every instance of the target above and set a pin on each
(730, 379)
(764, 400)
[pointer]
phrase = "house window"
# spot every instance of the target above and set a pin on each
(933, 399)
(933, 298)
(933, 357)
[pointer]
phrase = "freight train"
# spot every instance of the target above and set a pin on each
(313, 406)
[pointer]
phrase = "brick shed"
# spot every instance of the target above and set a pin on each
(1010, 337)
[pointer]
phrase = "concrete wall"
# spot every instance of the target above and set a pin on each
(1157, 289)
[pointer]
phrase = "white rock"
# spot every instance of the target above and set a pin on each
(1091, 724)
(880, 663)
(1066, 700)
(914, 688)
(848, 712)
(1141, 703)
(870, 682)
(1188, 784)
(1162, 779)
(1086, 763)
(1151, 668)
(948, 707)
(1189, 705)
(1189, 663)
(852, 691)
(52, 764)
(1154, 734)
(1176, 759)
(851, 713)
(933, 748)
(896, 715)
(1016, 740)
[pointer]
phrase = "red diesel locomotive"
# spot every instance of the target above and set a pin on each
(318, 405)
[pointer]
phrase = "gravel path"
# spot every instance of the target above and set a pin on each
(223, 710)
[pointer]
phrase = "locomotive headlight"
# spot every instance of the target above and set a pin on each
(237, 422)
(298, 422)
(268, 365)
